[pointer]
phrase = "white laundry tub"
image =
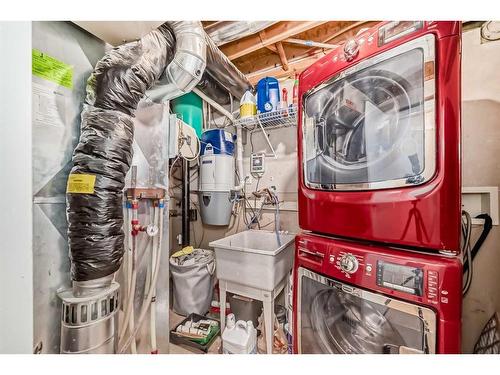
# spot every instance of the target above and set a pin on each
(254, 258)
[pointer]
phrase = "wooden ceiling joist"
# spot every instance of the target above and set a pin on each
(294, 66)
(270, 36)
(281, 53)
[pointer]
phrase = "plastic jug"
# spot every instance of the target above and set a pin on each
(239, 337)
(248, 105)
(268, 94)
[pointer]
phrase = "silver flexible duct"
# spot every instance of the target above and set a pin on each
(220, 78)
(188, 65)
(104, 152)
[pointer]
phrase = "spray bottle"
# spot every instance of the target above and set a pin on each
(295, 92)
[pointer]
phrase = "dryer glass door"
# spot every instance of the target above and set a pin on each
(373, 125)
(338, 318)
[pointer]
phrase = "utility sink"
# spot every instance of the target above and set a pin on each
(254, 258)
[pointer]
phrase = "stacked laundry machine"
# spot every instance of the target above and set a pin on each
(378, 266)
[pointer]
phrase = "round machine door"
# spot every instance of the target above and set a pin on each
(351, 326)
(338, 318)
(367, 127)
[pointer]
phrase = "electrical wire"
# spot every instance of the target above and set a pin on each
(466, 249)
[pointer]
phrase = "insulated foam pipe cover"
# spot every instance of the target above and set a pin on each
(119, 81)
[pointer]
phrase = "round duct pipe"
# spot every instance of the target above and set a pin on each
(187, 67)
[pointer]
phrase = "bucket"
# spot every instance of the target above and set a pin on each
(268, 94)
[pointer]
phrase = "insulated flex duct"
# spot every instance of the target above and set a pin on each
(220, 78)
(104, 152)
(222, 70)
(188, 64)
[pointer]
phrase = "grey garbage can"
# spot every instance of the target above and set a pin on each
(193, 278)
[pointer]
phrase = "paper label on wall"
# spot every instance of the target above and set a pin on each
(49, 106)
(49, 68)
(81, 184)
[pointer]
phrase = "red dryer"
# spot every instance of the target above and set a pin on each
(379, 135)
(352, 298)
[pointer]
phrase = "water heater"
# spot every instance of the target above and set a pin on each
(216, 177)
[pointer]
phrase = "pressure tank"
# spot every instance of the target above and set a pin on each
(216, 179)
(190, 109)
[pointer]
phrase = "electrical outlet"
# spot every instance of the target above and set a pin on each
(248, 179)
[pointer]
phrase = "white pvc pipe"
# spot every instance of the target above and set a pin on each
(239, 159)
(214, 104)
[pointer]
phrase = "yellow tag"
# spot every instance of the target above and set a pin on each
(81, 184)
(185, 251)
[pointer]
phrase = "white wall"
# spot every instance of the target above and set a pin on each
(16, 272)
(480, 167)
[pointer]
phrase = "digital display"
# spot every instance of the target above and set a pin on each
(401, 278)
(394, 30)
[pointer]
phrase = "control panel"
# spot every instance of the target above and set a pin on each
(346, 262)
(422, 278)
(257, 164)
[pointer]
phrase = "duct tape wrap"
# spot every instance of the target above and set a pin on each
(95, 217)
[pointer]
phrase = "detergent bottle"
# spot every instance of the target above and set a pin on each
(248, 105)
(239, 337)
(268, 94)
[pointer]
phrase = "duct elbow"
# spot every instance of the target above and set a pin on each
(185, 70)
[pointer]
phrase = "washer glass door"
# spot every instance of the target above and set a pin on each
(338, 318)
(372, 126)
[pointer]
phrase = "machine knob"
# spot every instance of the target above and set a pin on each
(349, 263)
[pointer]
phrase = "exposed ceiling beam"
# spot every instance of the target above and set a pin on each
(269, 36)
(294, 66)
(281, 53)
(342, 32)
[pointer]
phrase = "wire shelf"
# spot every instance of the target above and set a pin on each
(269, 120)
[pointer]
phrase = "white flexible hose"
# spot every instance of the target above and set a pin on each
(131, 286)
(133, 346)
(153, 301)
(150, 293)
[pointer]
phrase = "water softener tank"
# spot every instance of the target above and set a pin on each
(216, 176)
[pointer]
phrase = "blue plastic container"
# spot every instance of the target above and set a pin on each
(217, 141)
(268, 94)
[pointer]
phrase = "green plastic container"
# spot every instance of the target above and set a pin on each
(189, 107)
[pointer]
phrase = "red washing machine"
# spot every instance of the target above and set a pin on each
(379, 136)
(359, 298)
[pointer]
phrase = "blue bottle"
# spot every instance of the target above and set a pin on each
(268, 94)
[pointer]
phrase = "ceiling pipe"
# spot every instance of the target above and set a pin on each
(310, 43)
